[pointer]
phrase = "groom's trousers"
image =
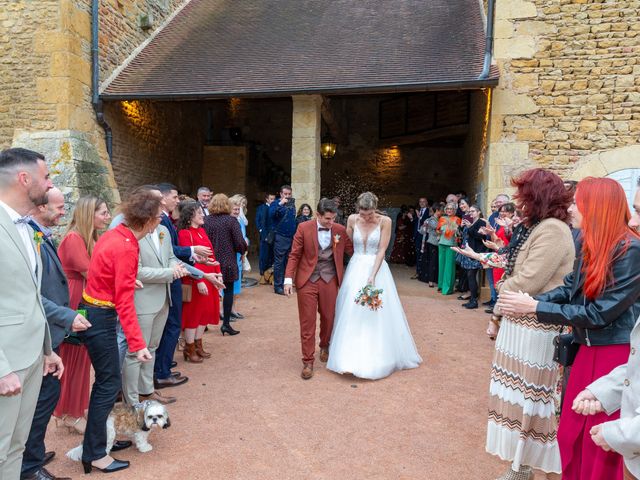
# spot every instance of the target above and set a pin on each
(313, 298)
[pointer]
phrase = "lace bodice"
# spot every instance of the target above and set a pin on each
(366, 246)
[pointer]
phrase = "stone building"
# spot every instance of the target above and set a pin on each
(239, 95)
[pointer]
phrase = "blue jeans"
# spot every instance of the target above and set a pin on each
(281, 249)
(492, 285)
(170, 335)
(102, 345)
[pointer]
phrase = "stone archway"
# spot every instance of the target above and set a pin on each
(602, 164)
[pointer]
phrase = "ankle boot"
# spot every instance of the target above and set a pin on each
(190, 354)
(200, 349)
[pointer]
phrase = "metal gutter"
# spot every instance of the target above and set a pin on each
(95, 79)
(488, 49)
(346, 90)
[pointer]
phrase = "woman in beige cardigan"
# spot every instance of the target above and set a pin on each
(522, 407)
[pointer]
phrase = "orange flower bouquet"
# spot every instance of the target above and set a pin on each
(369, 297)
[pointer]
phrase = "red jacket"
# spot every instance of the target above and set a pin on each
(112, 276)
(304, 251)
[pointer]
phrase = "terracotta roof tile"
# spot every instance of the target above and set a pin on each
(216, 48)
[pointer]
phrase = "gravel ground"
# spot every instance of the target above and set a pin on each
(246, 413)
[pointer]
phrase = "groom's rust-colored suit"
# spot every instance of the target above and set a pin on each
(317, 275)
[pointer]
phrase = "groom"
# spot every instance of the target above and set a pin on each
(316, 262)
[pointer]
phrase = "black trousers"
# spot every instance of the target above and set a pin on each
(429, 258)
(34, 450)
(102, 345)
(227, 302)
(472, 280)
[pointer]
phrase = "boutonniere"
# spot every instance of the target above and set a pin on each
(37, 238)
(161, 235)
(336, 239)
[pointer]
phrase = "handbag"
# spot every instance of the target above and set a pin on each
(187, 292)
(246, 266)
(565, 350)
(271, 236)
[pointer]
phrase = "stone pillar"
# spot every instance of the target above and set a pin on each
(305, 149)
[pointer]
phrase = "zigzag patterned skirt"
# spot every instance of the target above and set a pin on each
(523, 395)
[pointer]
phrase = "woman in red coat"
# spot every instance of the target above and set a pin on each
(108, 297)
(205, 299)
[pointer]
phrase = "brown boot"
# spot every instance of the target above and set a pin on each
(307, 371)
(190, 354)
(263, 281)
(324, 355)
(200, 349)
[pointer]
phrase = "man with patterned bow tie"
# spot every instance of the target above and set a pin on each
(25, 341)
(316, 263)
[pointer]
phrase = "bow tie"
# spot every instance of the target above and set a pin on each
(322, 229)
(24, 220)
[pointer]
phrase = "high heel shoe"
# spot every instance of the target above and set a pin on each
(112, 467)
(228, 329)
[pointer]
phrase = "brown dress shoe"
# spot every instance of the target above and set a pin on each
(324, 355)
(307, 371)
(169, 382)
(158, 398)
(200, 349)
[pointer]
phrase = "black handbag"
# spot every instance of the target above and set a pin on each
(565, 349)
(271, 236)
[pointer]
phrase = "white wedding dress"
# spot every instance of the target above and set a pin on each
(370, 344)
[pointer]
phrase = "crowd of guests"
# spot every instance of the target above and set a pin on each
(562, 257)
(562, 261)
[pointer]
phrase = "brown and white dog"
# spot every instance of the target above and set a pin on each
(134, 422)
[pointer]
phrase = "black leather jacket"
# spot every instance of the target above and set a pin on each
(607, 320)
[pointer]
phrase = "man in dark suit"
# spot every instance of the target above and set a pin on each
(204, 195)
(422, 213)
(283, 217)
(62, 320)
(263, 224)
(164, 353)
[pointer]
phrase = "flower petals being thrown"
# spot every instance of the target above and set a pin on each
(369, 297)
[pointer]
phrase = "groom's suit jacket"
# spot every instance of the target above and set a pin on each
(24, 332)
(304, 252)
(155, 271)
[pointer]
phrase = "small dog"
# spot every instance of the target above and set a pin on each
(134, 422)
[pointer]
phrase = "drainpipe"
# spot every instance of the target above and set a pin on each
(95, 79)
(488, 49)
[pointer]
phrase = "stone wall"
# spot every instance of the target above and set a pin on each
(569, 86)
(155, 142)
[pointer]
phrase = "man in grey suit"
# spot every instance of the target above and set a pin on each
(25, 342)
(157, 269)
(62, 320)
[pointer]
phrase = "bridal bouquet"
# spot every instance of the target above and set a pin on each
(369, 297)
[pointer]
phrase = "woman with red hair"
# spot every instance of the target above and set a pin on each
(600, 300)
(522, 416)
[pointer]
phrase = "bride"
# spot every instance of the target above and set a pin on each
(366, 343)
